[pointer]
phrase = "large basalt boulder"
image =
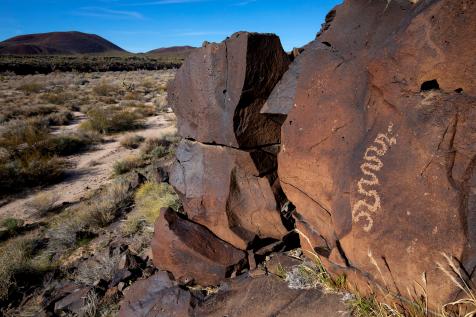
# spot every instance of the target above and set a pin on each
(379, 150)
(223, 190)
(270, 296)
(218, 92)
(157, 296)
(191, 252)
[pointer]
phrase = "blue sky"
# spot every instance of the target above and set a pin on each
(142, 25)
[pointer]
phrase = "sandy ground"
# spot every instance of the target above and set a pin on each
(91, 169)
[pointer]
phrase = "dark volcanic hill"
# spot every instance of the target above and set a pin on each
(61, 43)
(177, 51)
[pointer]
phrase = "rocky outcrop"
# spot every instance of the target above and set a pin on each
(245, 296)
(191, 252)
(218, 92)
(375, 127)
(269, 296)
(378, 150)
(224, 191)
(226, 166)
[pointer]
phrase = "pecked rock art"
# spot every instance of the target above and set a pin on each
(423, 197)
(367, 186)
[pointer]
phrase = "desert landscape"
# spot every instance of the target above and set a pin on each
(240, 177)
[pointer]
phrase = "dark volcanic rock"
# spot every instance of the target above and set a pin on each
(218, 92)
(222, 189)
(157, 296)
(269, 296)
(379, 151)
(191, 252)
(282, 98)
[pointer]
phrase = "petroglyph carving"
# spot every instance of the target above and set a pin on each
(367, 186)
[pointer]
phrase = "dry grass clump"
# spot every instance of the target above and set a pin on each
(128, 164)
(30, 154)
(59, 118)
(157, 148)
(19, 263)
(77, 224)
(103, 266)
(26, 111)
(31, 87)
(149, 199)
(466, 305)
(43, 202)
(132, 141)
(57, 98)
(102, 211)
(104, 89)
(111, 120)
(14, 257)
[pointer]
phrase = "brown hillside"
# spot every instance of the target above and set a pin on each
(63, 43)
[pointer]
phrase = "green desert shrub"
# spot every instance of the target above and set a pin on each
(110, 120)
(149, 199)
(66, 144)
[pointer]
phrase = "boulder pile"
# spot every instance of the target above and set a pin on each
(226, 166)
(370, 131)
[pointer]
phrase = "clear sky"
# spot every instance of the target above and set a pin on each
(142, 25)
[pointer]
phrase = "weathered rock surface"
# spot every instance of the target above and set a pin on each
(191, 252)
(282, 98)
(157, 296)
(379, 151)
(269, 296)
(218, 92)
(223, 190)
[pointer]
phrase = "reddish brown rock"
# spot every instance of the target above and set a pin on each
(191, 252)
(379, 153)
(223, 190)
(218, 92)
(270, 296)
(282, 98)
(157, 296)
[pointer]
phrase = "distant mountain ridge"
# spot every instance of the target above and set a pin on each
(59, 43)
(178, 51)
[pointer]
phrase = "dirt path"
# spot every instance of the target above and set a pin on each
(91, 169)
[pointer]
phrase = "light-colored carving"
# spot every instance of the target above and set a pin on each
(362, 210)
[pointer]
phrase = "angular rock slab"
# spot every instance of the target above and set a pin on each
(379, 152)
(282, 98)
(222, 190)
(191, 252)
(219, 90)
(269, 296)
(157, 296)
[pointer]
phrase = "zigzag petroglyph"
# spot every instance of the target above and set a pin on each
(362, 210)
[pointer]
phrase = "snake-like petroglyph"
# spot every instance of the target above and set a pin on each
(362, 210)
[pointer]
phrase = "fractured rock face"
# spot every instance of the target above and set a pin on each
(379, 152)
(282, 98)
(218, 92)
(191, 252)
(222, 189)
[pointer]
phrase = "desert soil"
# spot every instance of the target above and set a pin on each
(93, 168)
